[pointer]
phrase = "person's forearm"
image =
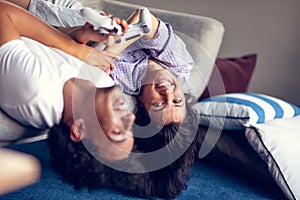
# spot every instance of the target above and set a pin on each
(57, 13)
(170, 49)
(61, 14)
(16, 22)
(17, 170)
(22, 3)
(25, 4)
(134, 18)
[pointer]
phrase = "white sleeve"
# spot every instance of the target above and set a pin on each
(61, 14)
(74, 4)
(26, 92)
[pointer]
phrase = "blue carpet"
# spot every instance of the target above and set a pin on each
(207, 182)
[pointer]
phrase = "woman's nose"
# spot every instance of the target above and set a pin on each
(165, 90)
(168, 95)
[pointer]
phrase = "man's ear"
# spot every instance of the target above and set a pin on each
(77, 130)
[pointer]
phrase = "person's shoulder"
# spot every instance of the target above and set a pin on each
(11, 44)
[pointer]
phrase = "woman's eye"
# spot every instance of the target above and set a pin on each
(177, 101)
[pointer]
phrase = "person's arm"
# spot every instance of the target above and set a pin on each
(16, 22)
(55, 13)
(79, 31)
(134, 18)
(165, 47)
(170, 50)
(22, 3)
(17, 170)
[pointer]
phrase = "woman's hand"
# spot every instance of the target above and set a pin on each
(122, 22)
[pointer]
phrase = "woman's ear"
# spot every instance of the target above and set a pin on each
(141, 100)
(77, 130)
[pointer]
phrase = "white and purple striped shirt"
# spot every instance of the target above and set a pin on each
(166, 48)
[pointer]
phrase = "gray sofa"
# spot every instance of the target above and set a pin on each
(203, 36)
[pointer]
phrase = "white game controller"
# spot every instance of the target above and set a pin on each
(106, 25)
(101, 23)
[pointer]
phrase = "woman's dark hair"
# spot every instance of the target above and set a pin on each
(172, 179)
(74, 163)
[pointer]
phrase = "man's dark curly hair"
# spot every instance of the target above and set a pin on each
(74, 163)
(77, 166)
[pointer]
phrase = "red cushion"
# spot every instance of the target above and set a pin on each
(230, 75)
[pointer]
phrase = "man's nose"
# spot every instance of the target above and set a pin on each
(128, 121)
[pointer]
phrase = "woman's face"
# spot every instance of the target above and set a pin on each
(163, 97)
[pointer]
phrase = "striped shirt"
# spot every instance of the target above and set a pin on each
(165, 48)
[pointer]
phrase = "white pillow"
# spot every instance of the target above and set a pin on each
(236, 110)
(277, 142)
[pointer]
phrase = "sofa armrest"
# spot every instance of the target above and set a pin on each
(206, 32)
(12, 132)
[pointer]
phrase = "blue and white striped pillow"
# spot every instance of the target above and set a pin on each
(235, 110)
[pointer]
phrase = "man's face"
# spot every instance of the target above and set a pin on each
(163, 97)
(112, 132)
(116, 120)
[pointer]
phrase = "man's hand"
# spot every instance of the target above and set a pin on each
(102, 60)
(86, 33)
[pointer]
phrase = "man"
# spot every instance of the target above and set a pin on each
(38, 81)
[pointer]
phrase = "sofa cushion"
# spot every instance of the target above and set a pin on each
(230, 75)
(277, 143)
(13, 132)
(236, 110)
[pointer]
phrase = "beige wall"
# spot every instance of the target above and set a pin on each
(270, 28)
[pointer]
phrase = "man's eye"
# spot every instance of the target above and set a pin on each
(121, 106)
(118, 136)
(157, 104)
(116, 132)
